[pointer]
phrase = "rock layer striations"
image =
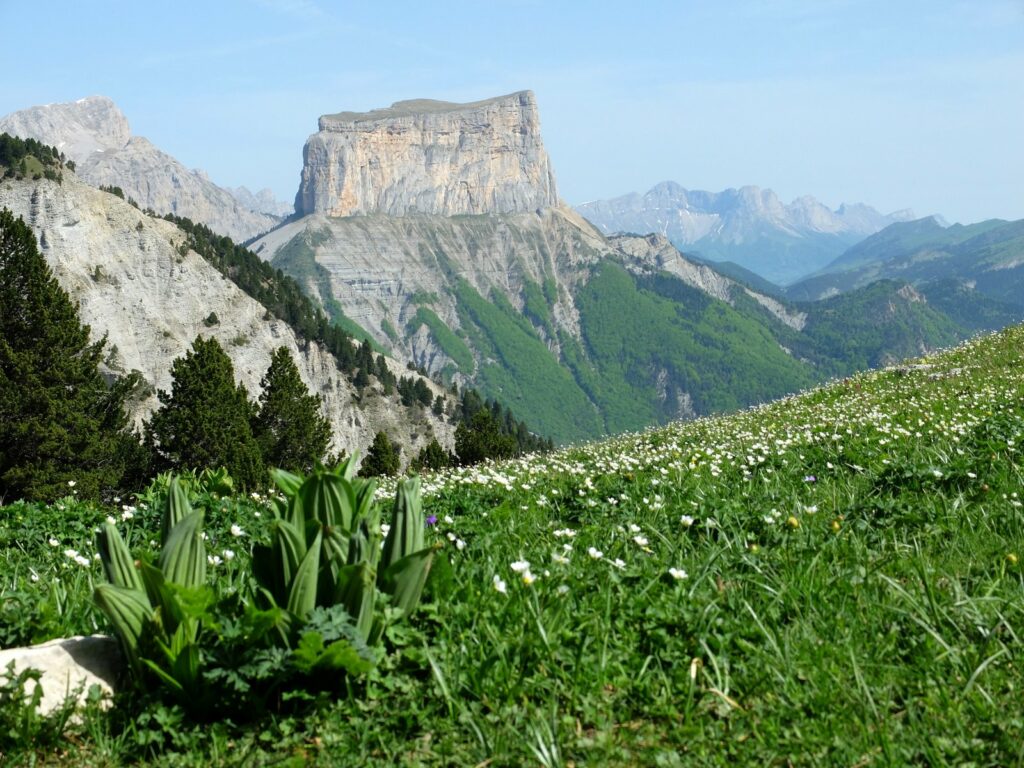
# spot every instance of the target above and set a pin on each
(429, 157)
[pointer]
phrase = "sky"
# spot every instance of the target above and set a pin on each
(900, 104)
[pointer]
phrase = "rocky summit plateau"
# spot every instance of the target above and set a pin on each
(436, 227)
(429, 157)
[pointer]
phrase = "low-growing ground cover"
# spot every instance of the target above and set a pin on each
(832, 579)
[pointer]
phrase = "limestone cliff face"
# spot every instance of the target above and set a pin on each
(135, 283)
(429, 157)
(95, 134)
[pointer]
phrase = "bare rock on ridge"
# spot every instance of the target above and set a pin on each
(95, 134)
(429, 157)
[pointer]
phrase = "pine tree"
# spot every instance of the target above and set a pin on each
(289, 428)
(480, 438)
(62, 429)
(432, 456)
(204, 421)
(383, 458)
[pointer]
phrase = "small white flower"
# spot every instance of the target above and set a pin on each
(499, 584)
(72, 483)
(127, 515)
(256, 514)
(595, 553)
(640, 541)
(82, 561)
(620, 564)
(111, 520)
(677, 573)
(236, 531)
(528, 578)
(460, 544)
(53, 542)
(686, 520)
(384, 528)
(214, 560)
(71, 553)
(634, 528)
(811, 509)
(448, 519)
(560, 559)
(96, 557)
(34, 577)
(562, 589)
(228, 554)
(564, 533)
(521, 566)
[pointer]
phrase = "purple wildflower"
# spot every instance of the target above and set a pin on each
(431, 519)
(810, 479)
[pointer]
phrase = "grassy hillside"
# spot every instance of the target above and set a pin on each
(987, 257)
(832, 579)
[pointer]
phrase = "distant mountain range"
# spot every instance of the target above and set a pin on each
(95, 134)
(748, 226)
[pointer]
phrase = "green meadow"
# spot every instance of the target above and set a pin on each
(834, 578)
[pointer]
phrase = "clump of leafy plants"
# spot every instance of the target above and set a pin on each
(307, 621)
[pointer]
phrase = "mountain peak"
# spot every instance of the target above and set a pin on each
(76, 128)
(429, 157)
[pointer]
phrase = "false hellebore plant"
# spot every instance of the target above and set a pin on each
(324, 590)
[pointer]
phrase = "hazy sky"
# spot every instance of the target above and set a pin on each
(897, 103)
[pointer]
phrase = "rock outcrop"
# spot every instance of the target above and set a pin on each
(95, 134)
(136, 281)
(68, 668)
(429, 157)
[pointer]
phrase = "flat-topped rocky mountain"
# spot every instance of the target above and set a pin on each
(429, 157)
(95, 134)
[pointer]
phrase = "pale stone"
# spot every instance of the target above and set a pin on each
(429, 157)
(95, 134)
(69, 667)
(135, 284)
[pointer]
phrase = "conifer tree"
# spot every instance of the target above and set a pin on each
(204, 421)
(62, 429)
(289, 428)
(383, 458)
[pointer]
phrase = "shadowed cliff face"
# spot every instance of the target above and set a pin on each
(429, 157)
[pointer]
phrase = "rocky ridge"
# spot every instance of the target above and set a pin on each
(429, 157)
(136, 282)
(95, 134)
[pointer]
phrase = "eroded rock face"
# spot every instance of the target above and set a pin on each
(429, 157)
(135, 282)
(95, 134)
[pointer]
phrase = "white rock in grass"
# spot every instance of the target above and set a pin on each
(68, 665)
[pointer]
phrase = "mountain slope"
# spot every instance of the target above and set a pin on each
(581, 334)
(748, 226)
(95, 134)
(136, 281)
(986, 258)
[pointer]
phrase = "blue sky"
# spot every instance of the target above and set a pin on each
(896, 103)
